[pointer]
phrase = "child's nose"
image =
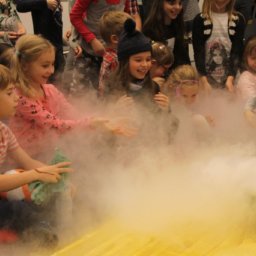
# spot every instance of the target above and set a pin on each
(51, 69)
(16, 97)
(178, 6)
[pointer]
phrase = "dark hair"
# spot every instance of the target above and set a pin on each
(154, 24)
(119, 80)
(5, 77)
(249, 50)
(221, 48)
(162, 54)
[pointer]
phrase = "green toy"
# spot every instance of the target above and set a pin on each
(42, 192)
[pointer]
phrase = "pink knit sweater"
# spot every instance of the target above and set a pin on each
(38, 124)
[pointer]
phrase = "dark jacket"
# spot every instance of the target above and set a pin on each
(45, 22)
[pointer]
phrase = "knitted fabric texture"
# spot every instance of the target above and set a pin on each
(132, 41)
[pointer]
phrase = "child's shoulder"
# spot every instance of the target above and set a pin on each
(4, 130)
(50, 89)
(3, 126)
(247, 74)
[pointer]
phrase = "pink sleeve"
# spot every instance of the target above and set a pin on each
(34, 112)
(76, 17)
(65, 109)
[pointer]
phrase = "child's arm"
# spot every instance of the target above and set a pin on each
(198, 42)
(34, 112)
(205, 84)
(131, 7)
(50, 174)
(237, 45)
(246, 85)
(23, 160)
(230, 84)
(162, 101)
(76, 17)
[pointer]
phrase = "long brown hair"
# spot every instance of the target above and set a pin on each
(119, 81)
(154, 24)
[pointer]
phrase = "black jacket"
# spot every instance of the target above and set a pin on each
(202, 30)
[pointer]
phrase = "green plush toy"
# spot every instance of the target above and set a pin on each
(42, 192)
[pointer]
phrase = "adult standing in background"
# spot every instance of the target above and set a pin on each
(245, 7)
(47, 21)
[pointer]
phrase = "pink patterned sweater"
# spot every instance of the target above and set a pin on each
(38, 124)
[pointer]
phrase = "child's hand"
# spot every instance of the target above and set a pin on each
(78, 51)
(210, 120)
(52, 173)
(162, 101)
(52, 4)
(97, 122)
(229, 84)
(124, 103)
(205, 84)
(122, 126)
(159, 80)
(12, 35)
(250, 117)
(97, 47)
(21, 30)
(67, 34)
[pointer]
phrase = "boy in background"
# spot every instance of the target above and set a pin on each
(111, 25)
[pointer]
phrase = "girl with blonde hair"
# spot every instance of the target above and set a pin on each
(43, 113)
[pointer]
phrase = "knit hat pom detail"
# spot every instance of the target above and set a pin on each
(129, 26)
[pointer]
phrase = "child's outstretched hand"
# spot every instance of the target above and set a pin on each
(119, 126)
(205, 85)
(162, 101)
(124, 103)
(250, 117)
(51, 173)
(210, 120)
(97, 47)
(122, 126)
(230, 84)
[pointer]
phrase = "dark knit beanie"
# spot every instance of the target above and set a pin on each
(132, 41)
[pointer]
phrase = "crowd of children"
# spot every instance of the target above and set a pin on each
(149, 70)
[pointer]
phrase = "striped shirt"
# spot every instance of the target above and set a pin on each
(8, 142)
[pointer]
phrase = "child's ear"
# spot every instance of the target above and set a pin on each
(114, 39)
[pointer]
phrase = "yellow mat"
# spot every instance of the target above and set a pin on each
(112, 239)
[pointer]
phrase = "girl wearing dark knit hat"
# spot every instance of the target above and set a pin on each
(132, 76)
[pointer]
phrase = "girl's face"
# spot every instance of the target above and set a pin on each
(220, 5)
(8, 101)
(140, 64)
(188, 93)
(41, 69)
(217, 57)
(251, 60)
(158, 70)
(172, 9)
